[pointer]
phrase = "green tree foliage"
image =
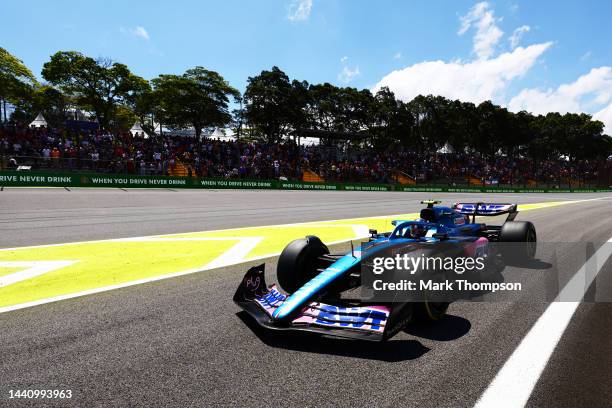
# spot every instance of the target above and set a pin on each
(274, 107)
(323, 107)
(96, 85)
(49, 101)
(268, 99)
(198, 98)
(16, 80)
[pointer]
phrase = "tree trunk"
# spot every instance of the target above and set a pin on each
(198, 132)
(240, 121)
(99, 118)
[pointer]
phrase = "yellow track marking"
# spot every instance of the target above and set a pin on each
(116, 263)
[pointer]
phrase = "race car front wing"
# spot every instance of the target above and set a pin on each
(368, 322)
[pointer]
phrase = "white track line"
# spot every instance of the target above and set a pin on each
(236, 253)
(34, 268)
(514, 383)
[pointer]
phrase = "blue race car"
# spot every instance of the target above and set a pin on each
(316, 283)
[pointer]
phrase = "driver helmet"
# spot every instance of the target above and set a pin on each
(418, 230)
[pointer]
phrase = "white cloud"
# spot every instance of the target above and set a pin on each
(475, 81)
(299, 10)
(586, 56)
(488, 77)
(515, 38)
(348, 74)
(488, 34)
(398, 55)
(605, 115)
(138, 31)
(591, 91)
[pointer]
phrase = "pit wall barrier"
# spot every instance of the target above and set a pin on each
(46, 179)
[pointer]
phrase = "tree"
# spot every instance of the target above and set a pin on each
(489, 129)
(198, 98)
(462, 122)
(124, 117)
(403, 125)
(143, 104)
(268, 103)
(354, 110)
(431, 126)
(44, 99)
(323, 107)
(16, 80)
(522, 132)
(98, 86)
(385, 114)
(299, 97)
(238, 118)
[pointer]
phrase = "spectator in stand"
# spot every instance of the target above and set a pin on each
(46, 154)
(105, 151)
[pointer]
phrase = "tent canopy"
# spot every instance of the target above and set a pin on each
(446, 149)
(217, 134)
(39, 121)
(137, 129)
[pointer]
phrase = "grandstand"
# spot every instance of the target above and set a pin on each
(78, 150)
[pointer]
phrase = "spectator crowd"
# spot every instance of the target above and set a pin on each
(106, 152)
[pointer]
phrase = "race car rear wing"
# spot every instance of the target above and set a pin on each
(487, 209)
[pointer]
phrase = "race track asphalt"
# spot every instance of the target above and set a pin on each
(36, 216)
(182, 342)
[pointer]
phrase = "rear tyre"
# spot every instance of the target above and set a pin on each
(428, 312)
(299, 261)
(523, 241)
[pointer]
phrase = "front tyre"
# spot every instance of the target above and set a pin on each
(522, 241)
(428, 312)
(299, 261)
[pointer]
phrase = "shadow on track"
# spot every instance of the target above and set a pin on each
(390, 351)
(532, 264)
(499, 272)
(449, 328)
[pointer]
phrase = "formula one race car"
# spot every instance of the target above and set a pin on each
(316, 282)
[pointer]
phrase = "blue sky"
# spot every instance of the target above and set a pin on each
(533, 55)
